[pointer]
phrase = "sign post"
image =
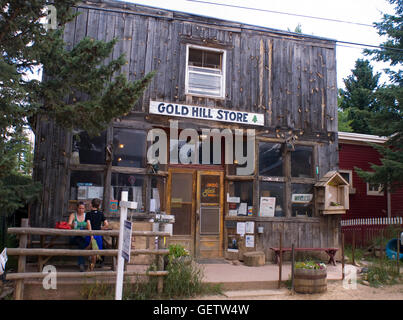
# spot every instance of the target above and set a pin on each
(123, 246)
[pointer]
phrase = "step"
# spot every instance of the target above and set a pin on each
(254, 293)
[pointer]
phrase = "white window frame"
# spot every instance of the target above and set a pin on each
(223, 72)
(350, 176)
(374, 193)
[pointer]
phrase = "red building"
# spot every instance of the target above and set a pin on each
(366, 200)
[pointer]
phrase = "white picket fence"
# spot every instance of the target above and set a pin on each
(372, 221)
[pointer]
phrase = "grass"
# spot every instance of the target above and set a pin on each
(184, 280)
(381, 270)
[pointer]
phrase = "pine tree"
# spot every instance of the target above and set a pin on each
(78, 90)
(388, 121)
(358, 98)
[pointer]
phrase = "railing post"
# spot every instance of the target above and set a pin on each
(342, 257)
(19, 287)
(292, 267)
(281, 260)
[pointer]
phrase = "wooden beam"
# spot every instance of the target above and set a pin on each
(89, 274)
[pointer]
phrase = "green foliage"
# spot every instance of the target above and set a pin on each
(79, 89)
(343, 123)
(358, 99)
(388, 121)
(310, 265)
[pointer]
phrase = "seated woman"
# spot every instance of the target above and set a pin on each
(77, 221)
(96, 221)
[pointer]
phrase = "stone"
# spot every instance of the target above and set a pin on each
(365, 283)
(236, 262)
(254, 258)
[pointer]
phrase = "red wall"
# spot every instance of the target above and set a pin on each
(361, 204)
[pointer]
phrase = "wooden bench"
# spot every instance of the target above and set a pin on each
(330, 251)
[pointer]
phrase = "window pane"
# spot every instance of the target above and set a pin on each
(195, 57)
(133, 183)
(85, 186)
(302, 162)
(129, 148)
(244, 191)
(212, 60)
(276, 190)
(158, 192)
(346, 176)
(270, 159)
(91, 150)
(204, 83)
(302, 199)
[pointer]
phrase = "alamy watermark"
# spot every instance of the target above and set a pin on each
(350, 278)
(50, 280)
(185, 147)
(51, 17)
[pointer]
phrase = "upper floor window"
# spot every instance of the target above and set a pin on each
(205, 71)
(374, 189)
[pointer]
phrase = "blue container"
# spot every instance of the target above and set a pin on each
(391, 249)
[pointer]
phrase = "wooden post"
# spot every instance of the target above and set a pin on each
(292, 267)
(160, 260)
(398, 253)
(342, 256)
(281, 261)
(381, 247)
(353, 248)
(19, 287)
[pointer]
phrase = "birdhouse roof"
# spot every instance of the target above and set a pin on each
(332, 178)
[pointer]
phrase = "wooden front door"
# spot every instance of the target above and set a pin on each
(195, 198)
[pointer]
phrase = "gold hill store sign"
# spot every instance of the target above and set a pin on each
(205, 113)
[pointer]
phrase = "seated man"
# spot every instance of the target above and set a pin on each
(96, 221)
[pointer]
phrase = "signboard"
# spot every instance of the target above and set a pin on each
(127, 240)
(206, 113)
(301, 198)
(267, 206)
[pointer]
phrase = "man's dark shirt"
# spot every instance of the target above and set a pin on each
(96, 218)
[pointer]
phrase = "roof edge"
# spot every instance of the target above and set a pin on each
(360, 137)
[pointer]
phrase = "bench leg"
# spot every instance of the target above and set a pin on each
(331, 254)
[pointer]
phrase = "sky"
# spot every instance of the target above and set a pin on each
(358, 11)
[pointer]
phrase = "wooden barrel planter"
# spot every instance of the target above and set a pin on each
(310, 280)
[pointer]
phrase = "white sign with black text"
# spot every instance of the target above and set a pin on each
(206, 113)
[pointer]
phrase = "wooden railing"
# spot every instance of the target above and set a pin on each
(23, 251)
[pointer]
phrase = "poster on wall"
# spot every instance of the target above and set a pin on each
(240, 228)
(250, 241)
(267, 206)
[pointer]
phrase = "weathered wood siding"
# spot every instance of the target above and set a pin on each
(289, 77)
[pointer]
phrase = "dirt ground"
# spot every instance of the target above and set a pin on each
(335, 291)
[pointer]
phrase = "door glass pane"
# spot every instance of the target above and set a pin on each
(209, 220)
(181, 187)
(210, 189)
(182, 213)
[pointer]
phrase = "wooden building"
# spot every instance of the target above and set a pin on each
(236, 76)
(366, 200)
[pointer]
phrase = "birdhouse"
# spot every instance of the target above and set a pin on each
(332, 194)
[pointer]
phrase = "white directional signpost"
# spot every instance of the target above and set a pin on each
(3, 261)
(125, 234)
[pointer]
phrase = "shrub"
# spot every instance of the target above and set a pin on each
(310, 265)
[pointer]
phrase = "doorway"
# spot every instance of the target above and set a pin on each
(195, 198)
